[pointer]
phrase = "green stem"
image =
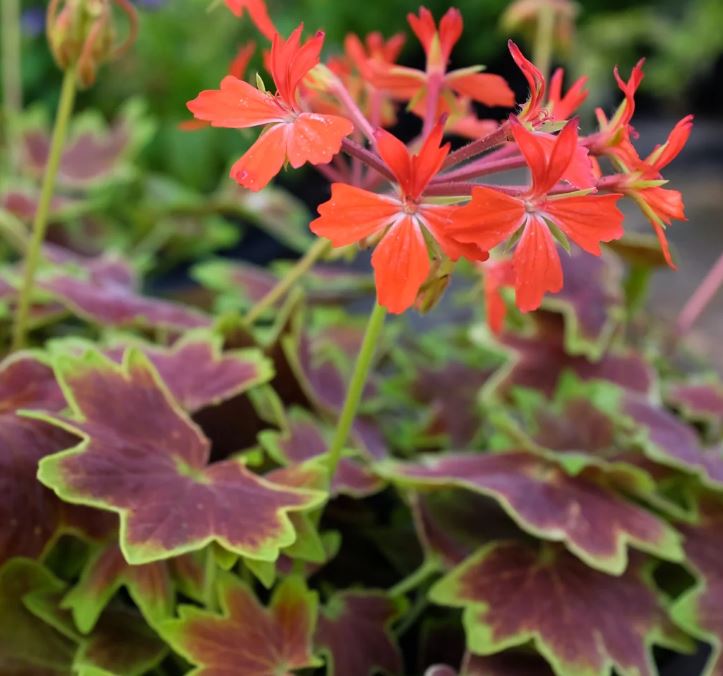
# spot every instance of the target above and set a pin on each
(40, 224)
(303, 265)
(542, 51)
(418, 577)
(356, 388)
(11, 75)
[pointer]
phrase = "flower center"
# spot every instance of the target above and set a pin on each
(410, 206)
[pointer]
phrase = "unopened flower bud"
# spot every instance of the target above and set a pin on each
(81, 34)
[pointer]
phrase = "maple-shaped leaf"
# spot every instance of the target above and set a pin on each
(698, 610)
(670, 441)
(247, 638)
(591, 302)
(32, 516)
(583, 621)
(198, 374)
(29, 645)
(111, 300)
(698, 401)
(154, 472)
(594, 521)
(303, 439)
(538, 360)
(354, 632)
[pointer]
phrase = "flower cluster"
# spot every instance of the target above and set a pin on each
(420, 206)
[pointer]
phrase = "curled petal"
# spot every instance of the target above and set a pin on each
(401, 265)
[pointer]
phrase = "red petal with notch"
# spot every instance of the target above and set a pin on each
(263, 160)
(537, 265)
(489, 89)
(401, 264)
(588, 220)
(236, 104)
(489, 219)
(315, 138)
(353, 214)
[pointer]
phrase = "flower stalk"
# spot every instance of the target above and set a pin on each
(11, 76)
(320, 248)
(40, 223)
(356, 388)
(701, 298)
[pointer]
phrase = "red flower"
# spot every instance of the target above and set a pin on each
(660, 205)
(258, 13)
(535, 217)
(401, 224)
(613, 139)
(409, 84)
(290, 134)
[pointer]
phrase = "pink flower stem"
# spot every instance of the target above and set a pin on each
(434, 87)
(482, 167)
(477, 147)
(357, 117)
(701, 297)
(333, 175)
(369, 158)
(465, 188)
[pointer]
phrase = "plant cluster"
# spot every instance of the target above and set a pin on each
(250, 479)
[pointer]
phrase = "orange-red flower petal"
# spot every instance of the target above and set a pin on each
(401, 265)
(315, 138)
(236, 104)
(263, 160)
(537, 265)
(353, 214)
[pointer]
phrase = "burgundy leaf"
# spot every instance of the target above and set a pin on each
(537, 361)
(670, 441)
(101, 298)
(583, 621)
(591, 302)
(594, 521)
(354, 630)
(699, 609)
(247, 638)
(155, 472)
(198, 374)
(701, 401)
(305, 439)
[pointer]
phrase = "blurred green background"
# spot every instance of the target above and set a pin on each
(184, 47)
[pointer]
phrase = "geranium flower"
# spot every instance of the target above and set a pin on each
(409, 84)
(290, 134)
(660, 205)
(537, 110)
(257, 11)
(404, 225)
(537, 218)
